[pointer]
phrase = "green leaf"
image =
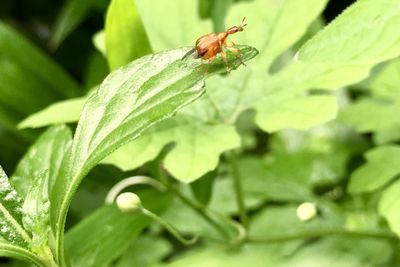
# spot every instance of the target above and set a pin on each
(72, 14)
(11, 214)
(45, 155)
(36, 213)
(369, 115)
(188, 135)
(130, 100)
(125, 35)
(99, 42)
(389, 205)
(299, 113)
(360, 27)
(51, 79)
(278, 177)
(381, 167)
(285, 222)
(168, 27)
(137, 255)
(202, 188)
(65, 111)
(105, 235)
(374, 113)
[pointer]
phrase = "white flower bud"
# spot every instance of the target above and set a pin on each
(128, 202)
(306, 211)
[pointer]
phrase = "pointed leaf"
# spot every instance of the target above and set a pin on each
(65, 111)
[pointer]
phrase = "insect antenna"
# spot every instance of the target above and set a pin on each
(242, 24)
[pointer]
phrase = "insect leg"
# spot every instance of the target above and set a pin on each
(236, 51)
(223, 56)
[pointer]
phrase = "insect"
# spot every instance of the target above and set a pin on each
(208, 46)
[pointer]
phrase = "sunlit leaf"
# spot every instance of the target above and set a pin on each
(125, 37)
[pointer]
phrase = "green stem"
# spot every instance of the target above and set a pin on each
(167, 226)
(201, 210)
(321, 233)
(237, 185)
(198, 208)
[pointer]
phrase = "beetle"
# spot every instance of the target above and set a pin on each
(208, 46)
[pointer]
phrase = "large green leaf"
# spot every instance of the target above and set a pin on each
(130, 100)
(381, 167)
(105, 235)
(11, 228)
(44, 156)
(125, 36)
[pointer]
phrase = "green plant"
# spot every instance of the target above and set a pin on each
(231, 158)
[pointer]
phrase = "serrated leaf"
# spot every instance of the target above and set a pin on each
(125, 36)
(11, 214)
(105, 235)
(130, 100)
(389, 205)
(45, 155)
(381, 167)
(65, 111)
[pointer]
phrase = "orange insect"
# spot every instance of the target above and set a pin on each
(209, 45)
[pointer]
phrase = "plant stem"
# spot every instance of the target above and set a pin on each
(167, 226)
(198, 208)
(321, 233)
(238, 190)
(201, 210)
